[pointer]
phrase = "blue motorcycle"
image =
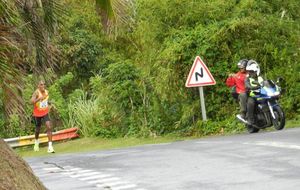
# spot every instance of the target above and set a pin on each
(267, 112)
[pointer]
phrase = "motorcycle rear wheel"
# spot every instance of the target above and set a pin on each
(279, 121)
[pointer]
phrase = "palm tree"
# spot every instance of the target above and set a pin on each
(26, 27)
(10, 61)
(13, 47)
(115, 13)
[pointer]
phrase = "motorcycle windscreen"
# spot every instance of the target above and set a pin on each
(269, 84)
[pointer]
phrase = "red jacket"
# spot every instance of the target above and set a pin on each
(237, 80)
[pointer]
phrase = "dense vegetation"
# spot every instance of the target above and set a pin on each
(131, 83)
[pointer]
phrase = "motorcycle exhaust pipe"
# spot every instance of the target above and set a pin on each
(241, 119)
(245, 121)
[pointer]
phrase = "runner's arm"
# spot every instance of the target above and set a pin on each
(34, 98)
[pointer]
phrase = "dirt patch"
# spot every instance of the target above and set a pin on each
(15, 174)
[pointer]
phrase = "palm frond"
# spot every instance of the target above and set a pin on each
(11, 72)
(25, 29)
(53, 13)
(37, 36)
(115, 13)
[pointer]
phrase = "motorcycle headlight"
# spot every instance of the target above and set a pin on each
(273, 93)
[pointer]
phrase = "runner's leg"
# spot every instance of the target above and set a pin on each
(38, 123)
(49, 131)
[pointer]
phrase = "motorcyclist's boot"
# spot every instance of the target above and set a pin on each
(251, 122)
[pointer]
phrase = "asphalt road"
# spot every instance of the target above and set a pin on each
(267, 160)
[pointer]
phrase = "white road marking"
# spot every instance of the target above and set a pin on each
(84, 174)
(104, 180)
(111, 184)
(77, 172)
(125, 187)
(83, 171)
(73, 169)
(51, 169)
(98, 179)
(111, 169)
(274, 144)
(95, 177)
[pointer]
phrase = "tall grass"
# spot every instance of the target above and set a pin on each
(84, 113)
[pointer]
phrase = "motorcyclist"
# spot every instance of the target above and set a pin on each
(237, 81)
(253, 83)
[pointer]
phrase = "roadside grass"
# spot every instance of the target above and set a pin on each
(293, 123)
(92, 144)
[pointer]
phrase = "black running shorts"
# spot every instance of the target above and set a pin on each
(38, 120)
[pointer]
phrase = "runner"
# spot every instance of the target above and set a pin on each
(40, 112)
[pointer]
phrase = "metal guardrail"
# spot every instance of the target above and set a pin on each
(56, 136)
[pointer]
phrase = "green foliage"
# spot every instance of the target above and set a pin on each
(14, 122)
(81, 42)
(83, 114)
(12, 127)
(133, 84)
(120, 80)
(2, 129)
(119, 96)
(28, 90)
(92, 119)
(58, 101)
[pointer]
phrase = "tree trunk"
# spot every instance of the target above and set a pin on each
(15, 174)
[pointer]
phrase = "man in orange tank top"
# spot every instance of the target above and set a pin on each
(40, 103)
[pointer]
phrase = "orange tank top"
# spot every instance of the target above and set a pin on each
(41, 107)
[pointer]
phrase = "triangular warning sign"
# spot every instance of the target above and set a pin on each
(199, 75)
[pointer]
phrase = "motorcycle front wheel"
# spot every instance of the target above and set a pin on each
(279, 121)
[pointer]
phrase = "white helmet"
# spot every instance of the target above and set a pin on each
(253, 66)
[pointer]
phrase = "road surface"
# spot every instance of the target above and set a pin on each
(266, 160)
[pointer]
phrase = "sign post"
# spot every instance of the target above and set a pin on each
(200, 76)
(203, 110)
